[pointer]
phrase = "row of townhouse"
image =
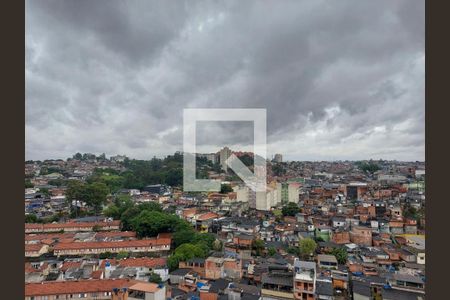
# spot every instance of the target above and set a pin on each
(84, 248)
(113, 289)
(72, 226)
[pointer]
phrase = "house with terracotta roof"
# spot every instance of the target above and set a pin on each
(35, 250)
(195, 264)
(219, 267)
(34, 238)
(146, 291)
(71, 226)
(84, 248)
(203, 221)
(86, 289)
(142, 267)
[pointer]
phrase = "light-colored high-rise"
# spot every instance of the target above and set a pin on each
(224, 154)
(288, 192)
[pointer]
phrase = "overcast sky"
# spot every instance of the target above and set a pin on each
(339, 79)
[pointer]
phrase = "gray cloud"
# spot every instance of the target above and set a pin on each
(339, 80)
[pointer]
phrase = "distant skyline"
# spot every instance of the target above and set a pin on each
(341, 80)
(269, 156)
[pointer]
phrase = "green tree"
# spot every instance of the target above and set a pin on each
(155, 278)
(278, 169)
(57, 182)
(180, 237)
(150, 223)
(120, 204)
(205, 238)
(93, 194)
(122, 255)
(278, 214)
(258, 246)
(271, 251)
(76, 190)
(45, 192)
(105, 255)
(133, 211)
(109, 177)
(174, 177)
(112, 211)
(307, 247)
(126, 218)
(290, 209)
(293, 250)
(96, 195)
(28, 184)
(31, 218)
(184, 253)
(151, 206)
(340, 254)
(319, 239)
(225, 188)
(369, 167)
(410, 212)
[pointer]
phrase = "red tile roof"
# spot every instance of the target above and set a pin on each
(207, 216)
(75, 287)
(166, 235)
(96, 274)
(143, 262)
(43, 236)
(70, 225)
(118, 244)
(33, 247)
(70, 264)
(111, 234)
(145, 287)
(30, 269)
(112, 261)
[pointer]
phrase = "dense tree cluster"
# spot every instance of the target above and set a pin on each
(225, 189)
(258, 246)
(307, 248)
(140, 173)
(369, 167)
(148, 220)
(340, 254)
(28, 184)
(93, 194)
(32, 218)
(155, 278)
(278, 169)
(290, 209)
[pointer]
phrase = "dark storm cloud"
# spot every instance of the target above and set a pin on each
(338, 79)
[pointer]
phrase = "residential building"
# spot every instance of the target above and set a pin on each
(304, 280)
(224, 154)
(86, 289)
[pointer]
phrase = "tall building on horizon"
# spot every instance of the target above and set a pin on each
(278, 158)
(224, 154)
